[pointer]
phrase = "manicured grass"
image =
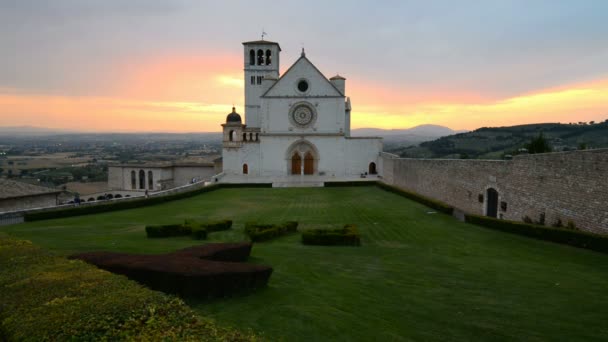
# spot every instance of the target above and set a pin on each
(417, 275)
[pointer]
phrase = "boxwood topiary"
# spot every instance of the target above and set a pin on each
(346, 236)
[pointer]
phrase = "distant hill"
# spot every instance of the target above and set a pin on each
(495, 142)
(409, 136)
(31, 130)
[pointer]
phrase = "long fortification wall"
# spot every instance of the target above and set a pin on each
(566, 186)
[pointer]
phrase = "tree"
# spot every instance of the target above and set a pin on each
(538, 145)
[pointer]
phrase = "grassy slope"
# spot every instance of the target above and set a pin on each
(417, 275)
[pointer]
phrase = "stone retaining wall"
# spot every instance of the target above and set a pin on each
(566, 186)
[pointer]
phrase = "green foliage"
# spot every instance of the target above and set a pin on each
(210, 226)
(168, 230)
(538, 145)
(113, 206)
(263, 232)
(45, 297)
(566, 236)
(346, 236)
(349, 184)
(437, 205)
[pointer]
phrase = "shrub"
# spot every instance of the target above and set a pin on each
(263, 232)
(346, 236)
(116, 205)
(46, 297)
(196, 271)
(200, 229)
(212, 226)
(168, 230)
(437, 205)
(566, 236)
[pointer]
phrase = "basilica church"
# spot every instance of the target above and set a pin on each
(296, 126)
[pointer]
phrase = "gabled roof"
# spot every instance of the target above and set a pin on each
(262, 42)
(11, 189)
(302, 58)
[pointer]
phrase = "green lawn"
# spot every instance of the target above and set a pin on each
(418, 275)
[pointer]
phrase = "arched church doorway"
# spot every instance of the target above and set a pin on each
(296, 163)
(302, 158)
(492, 202)
(372, 168)
(309, 164)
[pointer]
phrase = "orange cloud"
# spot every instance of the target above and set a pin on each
(194, 93)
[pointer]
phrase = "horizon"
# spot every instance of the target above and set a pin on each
(166, 67)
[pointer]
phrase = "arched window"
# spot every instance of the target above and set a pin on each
(133, 179)
(245, 169)
(244, 136)
(372, 168)
(231, 135)
(492, 203)
(260, 57)
(268, 57)
(251, 57)
(250, 136)
(256, 137)
(150, 180)
(142, 179)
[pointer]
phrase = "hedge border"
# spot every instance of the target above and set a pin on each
(349, 184)
(595, 242)
(45, 297)
(258, 232)
(429, 202)
(134, 203)
(345, 236)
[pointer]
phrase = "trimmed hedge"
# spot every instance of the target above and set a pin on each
(168, 230)
(349, 184)
(211, 270)
(263, 232)
(116, 205)
(429, 202)
(45, 297)
(598, 243)
(211, 226)
(346, 236)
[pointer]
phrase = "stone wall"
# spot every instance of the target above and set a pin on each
(28, 202)
(566, 186)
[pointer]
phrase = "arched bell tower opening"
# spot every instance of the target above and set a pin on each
(302, 158)
(261, 62)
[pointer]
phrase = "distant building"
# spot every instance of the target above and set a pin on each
(16, 195)
(296, 127)
(157, 176)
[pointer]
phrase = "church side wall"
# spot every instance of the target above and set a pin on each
(183, 175)
(360, 152)
(566, 186)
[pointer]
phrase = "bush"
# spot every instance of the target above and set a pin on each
(437, 205)
(211, 270)
(46, 297)
(263, 232)
(115, 205)
(347, 236)
(168, 230)
(349, 184)
(200, 230)
(566, 236)
(212, 226)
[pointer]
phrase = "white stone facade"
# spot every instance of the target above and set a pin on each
(151, 177)
(298, 124)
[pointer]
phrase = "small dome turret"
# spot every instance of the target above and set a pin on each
(233, 117)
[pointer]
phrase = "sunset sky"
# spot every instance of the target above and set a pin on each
(176, 65)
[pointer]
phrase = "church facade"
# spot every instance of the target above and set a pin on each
(297, 125)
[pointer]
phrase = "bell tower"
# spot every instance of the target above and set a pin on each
(261, 59)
